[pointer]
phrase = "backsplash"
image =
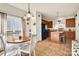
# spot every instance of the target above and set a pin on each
(70, 29)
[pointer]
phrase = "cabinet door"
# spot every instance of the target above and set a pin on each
(50, 24)
(70, 22)
(70, 35)
(73, 35)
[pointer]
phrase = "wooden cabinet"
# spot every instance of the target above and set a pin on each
(70, 22)
(70, 35)
(48, 23)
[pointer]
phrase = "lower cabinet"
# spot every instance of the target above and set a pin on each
(58, 37)
(70, 35)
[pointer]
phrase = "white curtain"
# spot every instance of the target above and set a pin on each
(3, 23)
(3, 27)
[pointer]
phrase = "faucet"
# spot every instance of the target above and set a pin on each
(4, 45)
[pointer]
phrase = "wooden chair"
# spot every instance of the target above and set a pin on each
(28, 47)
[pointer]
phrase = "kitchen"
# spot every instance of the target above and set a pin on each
(63, 30)
(65, 26)
(55, 28)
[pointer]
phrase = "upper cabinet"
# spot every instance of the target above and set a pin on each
(70, 22)
(48, 23)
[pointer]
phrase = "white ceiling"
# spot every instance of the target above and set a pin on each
(49, 10)
(5, 8)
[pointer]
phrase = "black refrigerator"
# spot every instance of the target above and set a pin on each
(44, 31)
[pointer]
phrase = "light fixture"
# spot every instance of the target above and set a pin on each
(58, 16)
(28, 15)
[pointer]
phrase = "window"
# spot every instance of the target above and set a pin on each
(14, 26)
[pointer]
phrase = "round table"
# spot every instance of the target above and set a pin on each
(17, 42)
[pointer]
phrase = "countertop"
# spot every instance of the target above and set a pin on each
(60, 30)
(56, 30)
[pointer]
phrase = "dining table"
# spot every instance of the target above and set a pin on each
(21, 39)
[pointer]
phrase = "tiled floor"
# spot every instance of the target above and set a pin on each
(49, 48)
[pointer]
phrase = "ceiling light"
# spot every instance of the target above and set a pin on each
(28, 15)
